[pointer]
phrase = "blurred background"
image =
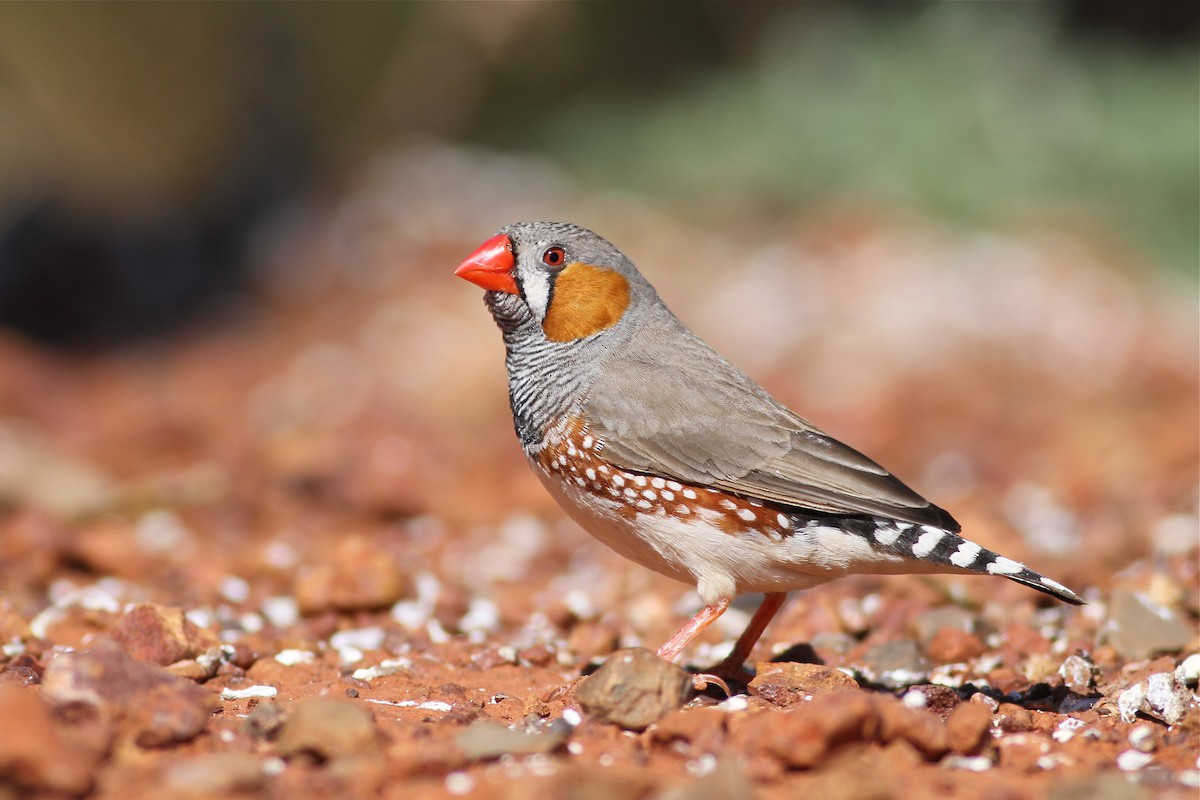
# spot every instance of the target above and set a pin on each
(962, 236)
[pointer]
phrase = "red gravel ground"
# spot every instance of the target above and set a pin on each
(299, 555)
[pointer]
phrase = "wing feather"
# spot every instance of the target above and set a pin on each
(700, 420)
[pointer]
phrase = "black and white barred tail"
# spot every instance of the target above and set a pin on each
(934, 545)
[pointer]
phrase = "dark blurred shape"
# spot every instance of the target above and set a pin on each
(1152, 24)
(71, 280)
(102, 272)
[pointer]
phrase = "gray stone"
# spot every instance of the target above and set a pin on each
(484, 739)
(895, 664)
(1138, 628)
(634, 688)
(926, 625)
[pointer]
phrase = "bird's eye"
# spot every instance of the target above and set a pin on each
(554, 257)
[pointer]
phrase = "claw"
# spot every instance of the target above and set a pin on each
(701, 681)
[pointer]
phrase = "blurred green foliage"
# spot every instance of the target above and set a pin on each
(979, 112)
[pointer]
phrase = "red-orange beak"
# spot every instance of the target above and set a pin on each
(491, 265)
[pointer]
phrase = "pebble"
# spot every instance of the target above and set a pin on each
(895, 665)
(932, 622)
(161, 634)
(953, 646)
(1188, 671)
(968, 728)
(807, 736)
(786, 684)
(40, 754)
(214, 774)
(1078, 673)
(1159, 696)
(156, 707)
(717, 778)
(633, 689)
(356, 576)
(484, 740)
(249, 693)
(1133, 760)
(328, 728)
(1138, 628)
(291, 657)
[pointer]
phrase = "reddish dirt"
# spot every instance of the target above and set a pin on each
(324, 499)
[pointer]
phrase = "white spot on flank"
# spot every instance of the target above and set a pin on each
(645, 505)
(579, 481)
(591, 473)
(929, 540)
(630, 492)
(604, 469)
(1004, 566)
(658, 483)
(640, 480)
(616, 479)
(682, 510)
(746, 514)
(668, 496)
(587, 443)
(966, 554)
(783, 521)
(689, 494)
(887, 535)
(728, 505)
(674, 486)
(755, 503)
(571, 451)
(649, 494)
(562, 460)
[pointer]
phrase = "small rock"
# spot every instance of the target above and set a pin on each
(161, 635)
(1159, 696)
(927, 625)
(633, 689)
(967, 728)
(483, 740)
(727, 781)
(38, 754)
(1078, 673)
(215, 774)
(591, 639)
(1188, 671)
(264, 720)
(895, 664)
(358, 576)
(1101, 786)
(328, 728)
(786, 684)
(806, 736)
(157, 707)
(953, 646)
(1138, 628)
(702, 729)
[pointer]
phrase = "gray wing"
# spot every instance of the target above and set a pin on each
(701, 420)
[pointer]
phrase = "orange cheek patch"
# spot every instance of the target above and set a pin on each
(587, 299)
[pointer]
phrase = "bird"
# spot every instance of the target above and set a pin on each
(662, 449)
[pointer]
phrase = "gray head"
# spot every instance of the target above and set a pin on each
(556, 281)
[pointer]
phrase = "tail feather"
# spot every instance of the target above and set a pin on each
(935, 545)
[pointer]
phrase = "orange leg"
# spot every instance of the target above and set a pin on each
(771, 604)
(705, 617)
